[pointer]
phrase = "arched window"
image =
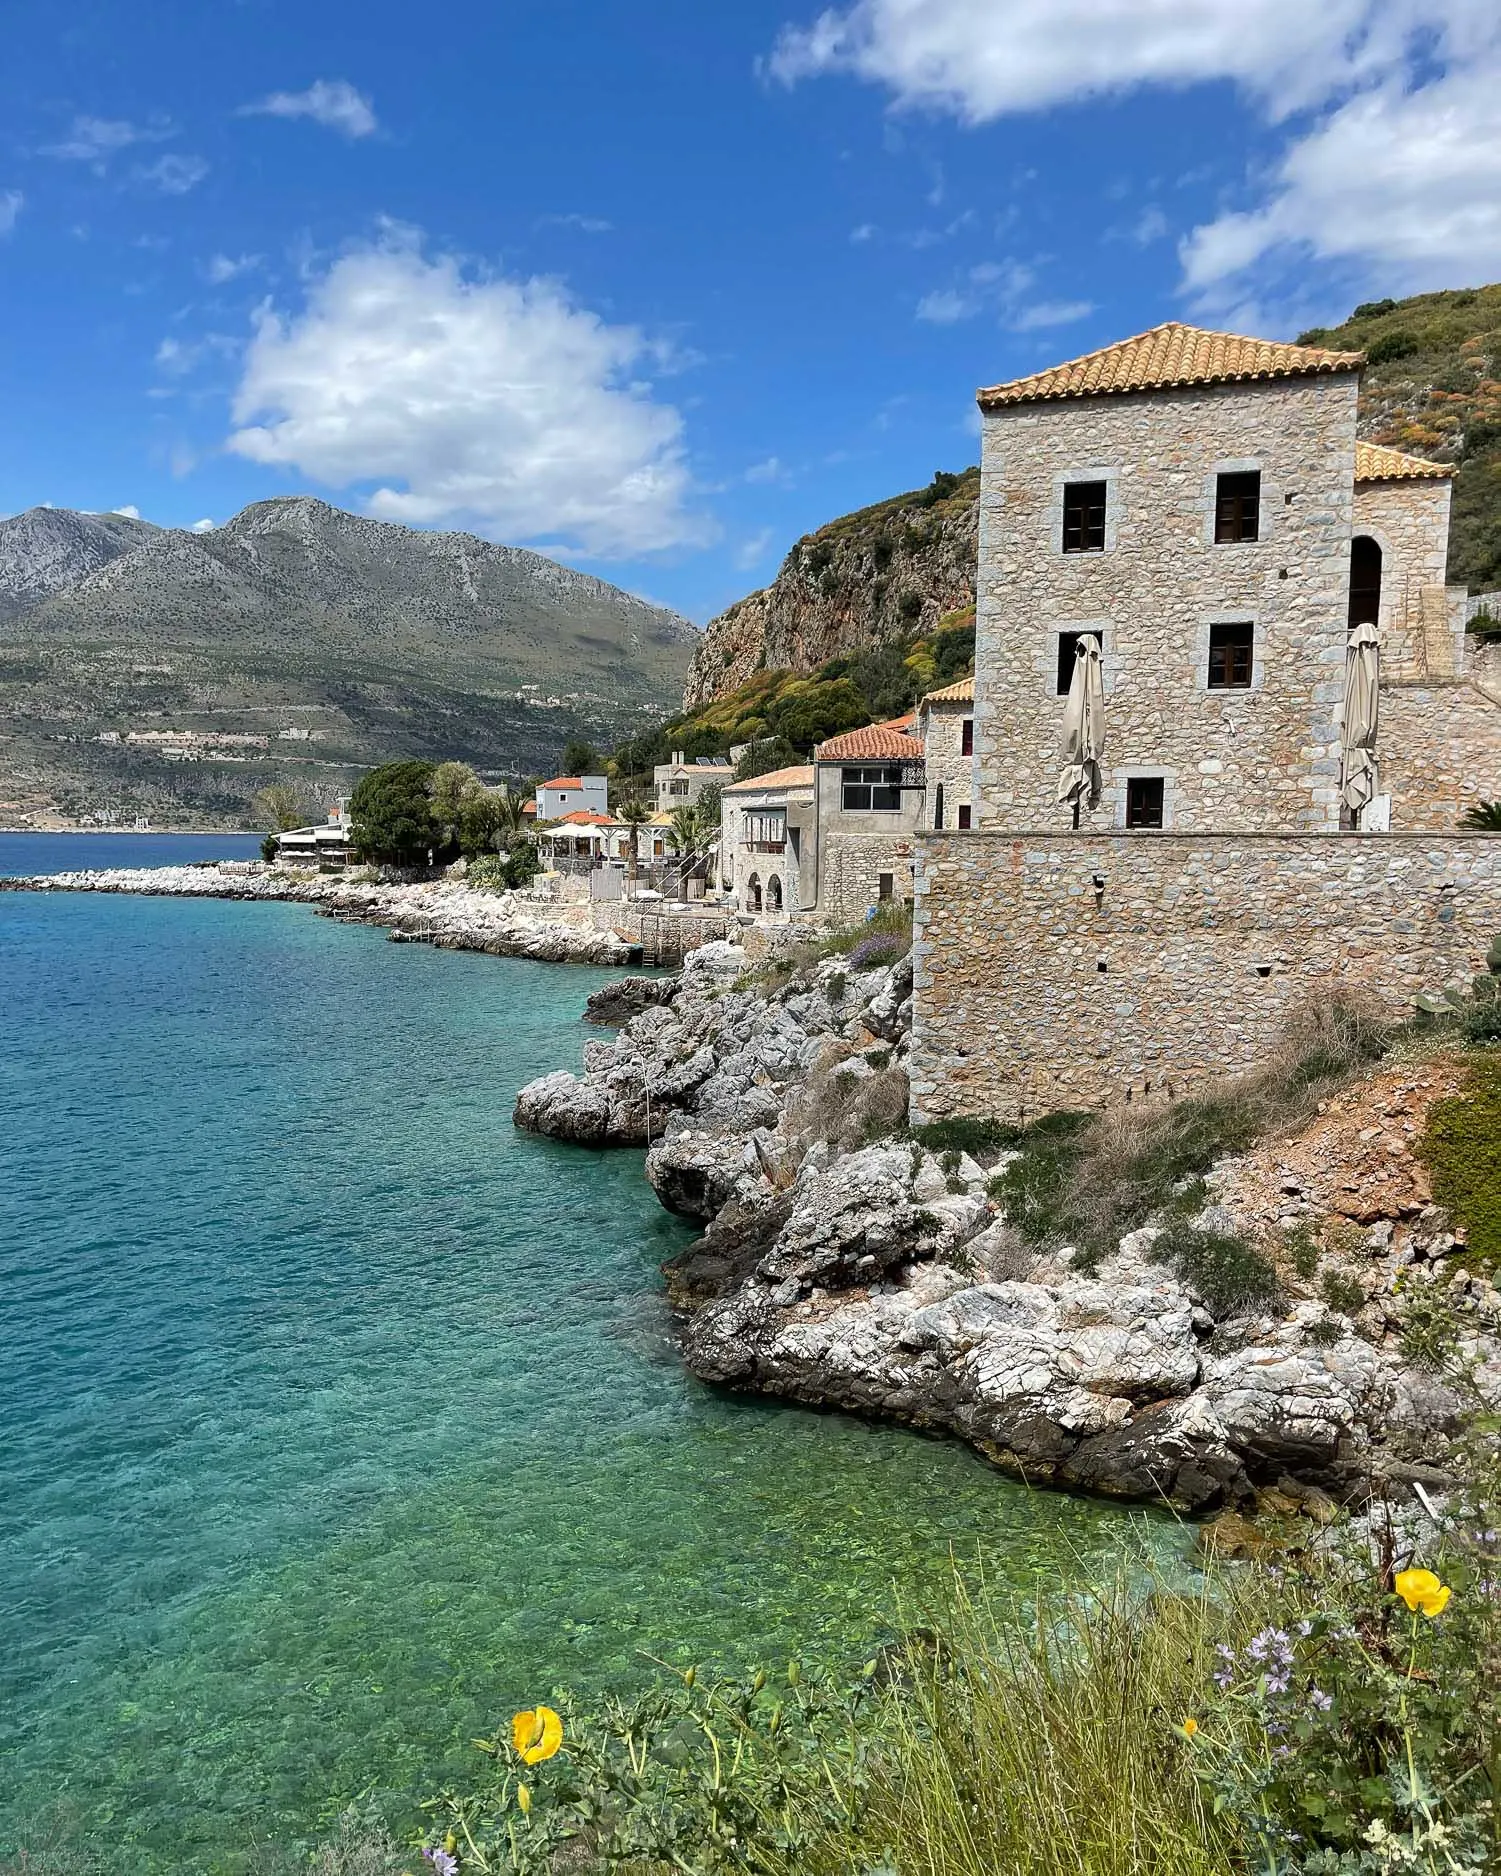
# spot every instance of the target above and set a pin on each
(753, 893)
(774, 894)
(1365, 582)
(938, 807)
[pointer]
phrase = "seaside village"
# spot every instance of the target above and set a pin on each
(1224, 725)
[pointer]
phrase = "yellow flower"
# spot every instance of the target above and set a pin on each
(524, 1799)
(1190, 1726)
(1421, 1589)
(536, 1733)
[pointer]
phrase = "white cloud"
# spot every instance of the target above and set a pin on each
(173, 175)
(865, 232)
(95, 140)
(1149, 226)
(752, 552)
(221, 268)
(1051, 313)
(946, 307)
(478, 400)
(332, 102)
(585, 224)
(1401, 183)
(11, 203)
(205, 526)
(129, 511)
(981, 59)
(1391, 165)
(772, 470)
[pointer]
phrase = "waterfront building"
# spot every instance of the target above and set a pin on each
(681, 783)
(1198, 504)
(568, 794)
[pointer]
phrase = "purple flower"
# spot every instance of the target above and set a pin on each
(1320, 1699)
(1276, 1683)
(1305, 1628)
(444, 1862)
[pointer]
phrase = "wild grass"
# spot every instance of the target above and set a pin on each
(1087, 1180)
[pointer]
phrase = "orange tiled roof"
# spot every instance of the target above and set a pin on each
(1167, 356)
(879, 742)
(1374, 462)
(562, 781)
(584, 817)
(962, 692)
(775, 778)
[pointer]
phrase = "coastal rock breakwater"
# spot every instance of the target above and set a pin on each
(442, 912)
(845, 1264)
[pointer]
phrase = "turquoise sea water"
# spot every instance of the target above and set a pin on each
(337, 1419)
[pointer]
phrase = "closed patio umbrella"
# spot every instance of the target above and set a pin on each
(1357, 729)
(1083, 728)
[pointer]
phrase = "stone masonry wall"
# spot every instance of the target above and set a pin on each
(1409, 522)
(1068, 971)
(1263, 759)
(1440, 751)
(850, 870)
(947, 765)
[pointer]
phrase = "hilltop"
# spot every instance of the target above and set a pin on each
(297, 642)
(1433, 386)
(888, 572)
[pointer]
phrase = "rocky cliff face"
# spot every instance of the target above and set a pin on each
(845, 1269)
(884, 573)
(48, 550)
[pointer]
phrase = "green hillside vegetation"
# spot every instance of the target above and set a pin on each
(790, 715)
(1433, 386)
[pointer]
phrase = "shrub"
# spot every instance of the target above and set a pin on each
(1229, 1273)
(882, 948)
(1461, 1147)
(1392, 345)
(1342, 1293)
(1485, 627)
(270, 847)
(975, 1137)
(1301, 1249)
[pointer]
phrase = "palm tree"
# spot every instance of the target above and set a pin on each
(1484, 819)
(510, 811)
(687, 827)
(635, 814)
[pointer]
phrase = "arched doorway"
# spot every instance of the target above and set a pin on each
(753, 893)
(1365, 582)
(774, 893)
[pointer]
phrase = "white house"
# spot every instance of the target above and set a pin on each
(572, 794)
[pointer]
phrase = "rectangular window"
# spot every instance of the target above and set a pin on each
(1237, 506)
(1084, 518)
(964, 815)
(885, 882)
(1068, 648)
(1230, 656)
(878, 789)
(967, 737)
(1144, 801)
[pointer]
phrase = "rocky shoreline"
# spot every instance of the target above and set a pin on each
(844, 1265)
(443, 912)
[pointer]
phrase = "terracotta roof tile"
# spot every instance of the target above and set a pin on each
(1374, 462)
(585, 817)
(775, 778)
(881, 742)
(962, 692)
(1167, 356)
(562, 781)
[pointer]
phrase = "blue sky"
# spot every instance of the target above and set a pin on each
(660, 287)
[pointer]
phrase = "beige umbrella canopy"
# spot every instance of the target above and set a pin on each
(1357, 730)
(1083, 728)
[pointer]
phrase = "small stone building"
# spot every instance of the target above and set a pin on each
(1199, 503)
(946, 722)
(681, 783)
(767, 844)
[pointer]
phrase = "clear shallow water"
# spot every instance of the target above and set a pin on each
(337, 1419)
(26, 855)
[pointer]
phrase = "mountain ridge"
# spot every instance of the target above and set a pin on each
(294, 616)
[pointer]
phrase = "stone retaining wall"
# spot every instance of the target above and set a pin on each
(1067, 971)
